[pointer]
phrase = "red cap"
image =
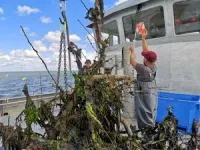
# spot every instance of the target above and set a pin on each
(150, 55)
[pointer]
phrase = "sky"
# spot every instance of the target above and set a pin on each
(40, 19)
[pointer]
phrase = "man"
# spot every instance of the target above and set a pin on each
(81, 100)
(86, 68)
(145, 98)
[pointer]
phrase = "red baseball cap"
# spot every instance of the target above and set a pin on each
(150, 55)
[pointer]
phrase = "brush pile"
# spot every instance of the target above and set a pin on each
(89, 118)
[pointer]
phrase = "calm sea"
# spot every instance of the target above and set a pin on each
(11, 83)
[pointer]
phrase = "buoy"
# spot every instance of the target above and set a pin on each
(7, 100)
(23, 79)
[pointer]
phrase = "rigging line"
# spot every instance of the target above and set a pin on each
(84, 5)
(83, 56)
(91, 44)
(86, 30)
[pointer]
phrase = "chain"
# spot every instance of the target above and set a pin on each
(62, 9)
(62, 47)
(65, 63)
(59, 60)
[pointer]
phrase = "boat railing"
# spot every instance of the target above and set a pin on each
(16, 105)
(41, 88)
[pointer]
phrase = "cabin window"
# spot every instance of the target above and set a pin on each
(154, 22)
(187, 17)
(110, 33)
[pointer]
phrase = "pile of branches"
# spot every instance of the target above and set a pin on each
(90, 120)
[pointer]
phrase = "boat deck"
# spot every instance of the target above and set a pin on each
(15, 106)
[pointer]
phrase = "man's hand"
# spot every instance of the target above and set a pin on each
(132, 49)
(144, 34)
(144, 42)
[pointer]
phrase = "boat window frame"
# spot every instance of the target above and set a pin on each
(119, 39)
(146, 9)
(173, 24)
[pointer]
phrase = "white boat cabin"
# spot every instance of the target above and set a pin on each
(173, 33)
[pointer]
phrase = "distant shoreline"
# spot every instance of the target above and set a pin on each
(26, 71)
(32, 71)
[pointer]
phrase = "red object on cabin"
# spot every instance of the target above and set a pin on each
(140, 28)
(193, 19)
(178, 22)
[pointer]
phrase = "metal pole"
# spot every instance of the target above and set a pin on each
(41, 85)
(68, 40)
(129, 105)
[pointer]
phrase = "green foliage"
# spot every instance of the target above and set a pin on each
(92, 115)
(79, 85)
(58, 145)
(44, 112)
(31, 115)
(31, 112)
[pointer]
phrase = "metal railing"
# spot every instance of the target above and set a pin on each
(24, 101)
(40, 89)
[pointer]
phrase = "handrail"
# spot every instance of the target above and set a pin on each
(40, 89)
(21, 97)
(23, 101)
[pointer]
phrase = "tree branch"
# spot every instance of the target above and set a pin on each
(38, 54)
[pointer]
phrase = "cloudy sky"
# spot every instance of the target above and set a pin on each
(40, 21)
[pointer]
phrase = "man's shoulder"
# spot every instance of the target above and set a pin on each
(82, 70)
(139, 65)
(140, 68)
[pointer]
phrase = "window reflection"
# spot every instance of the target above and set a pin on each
(187, 17)
(110, 32)
(154, 22)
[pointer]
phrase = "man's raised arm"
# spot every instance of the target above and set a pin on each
(132, 55)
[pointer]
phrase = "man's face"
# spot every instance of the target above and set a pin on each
(145, 61)
(87, 65)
